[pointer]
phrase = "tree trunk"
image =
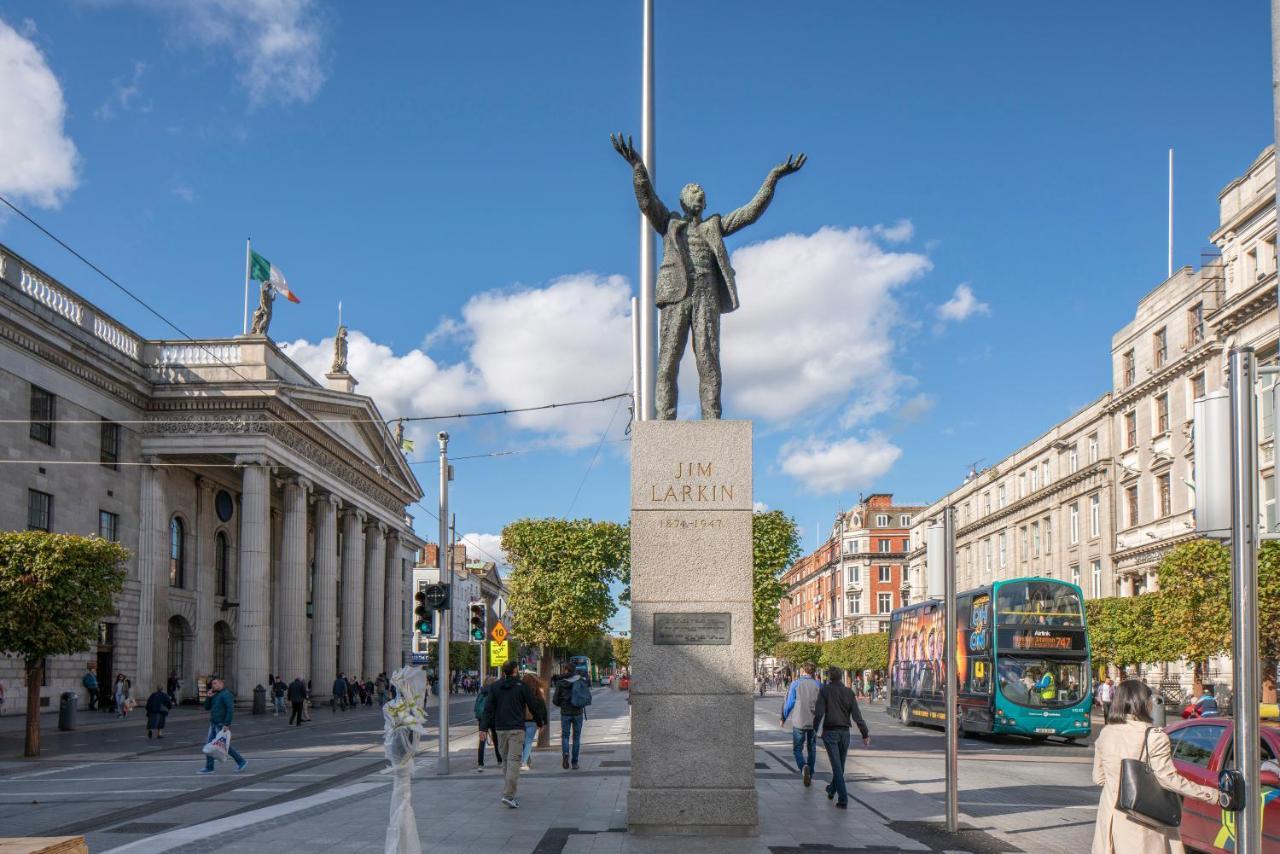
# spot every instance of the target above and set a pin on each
(1197, 678)
(545, 672)
(1269, 680)
(35, 675)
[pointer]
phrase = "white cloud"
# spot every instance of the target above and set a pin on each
(37, 159)
(486, 547)
(836, 466)
(962, 305)
(124, 92)
(816, 324)
(570, 340)
(277, 45)
(916, 408)
(900, 232)
(759, 507)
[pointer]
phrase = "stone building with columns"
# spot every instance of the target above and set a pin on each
(265, 513)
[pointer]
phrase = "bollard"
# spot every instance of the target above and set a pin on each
(259, 700)
(67, 711)
(1157, 711)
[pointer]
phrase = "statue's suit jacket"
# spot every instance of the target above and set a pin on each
(677, 264)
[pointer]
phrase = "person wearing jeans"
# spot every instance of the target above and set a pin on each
(835, 710)
(802, 696)
(221, 705)
(571, 717)
(508, 702)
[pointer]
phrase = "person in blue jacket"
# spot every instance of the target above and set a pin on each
(802, 696)
(221, 706)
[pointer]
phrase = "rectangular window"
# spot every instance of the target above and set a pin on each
(1093, 447)
(882, 521)
(884, 603)
(110, 445)
(855, 605)
(1130, 369)
(108, 526)
(854, 575)
(986, 555)
(1044, 472)
(1073, 529)
(1159, 348)
(1022, 484)
(1095, 515)
(1023, 542)
(1048, 534)
(1075, 573)
(1163, 497)
(39, 510)
(1130, 430)
(1035, 479)
(1004, 555)
(986, 503)
(1131, 505)
(43, 414)
(1197, 386)
(1073, 458)
(1195, 324)
(885, 575)
(886, 546)
(1000, 502)
(1095, 589)
(1035, 539)
(1162, 413)
(904, 521)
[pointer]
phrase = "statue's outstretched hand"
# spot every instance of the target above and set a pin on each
(624, 146)
(793, 164)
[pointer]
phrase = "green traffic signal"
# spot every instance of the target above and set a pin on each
(478, 620)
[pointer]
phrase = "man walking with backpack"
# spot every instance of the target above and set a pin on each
(504, 710)
(802, 697)
(572, 696)
(834, 711)
(297, 696)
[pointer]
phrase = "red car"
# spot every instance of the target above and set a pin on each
(1201, 748)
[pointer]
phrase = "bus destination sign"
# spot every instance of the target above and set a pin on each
(1042, 640)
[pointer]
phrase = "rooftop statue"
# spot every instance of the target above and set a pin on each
(340, 352)
(695, 281)
(262, 314)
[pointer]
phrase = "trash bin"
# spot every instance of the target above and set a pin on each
(1157, 711)
(67, 711)
(259, 700)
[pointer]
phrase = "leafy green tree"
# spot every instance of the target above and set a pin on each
(796, 653)
(856, 653)
(1132, 630)
(1195, 581)
(775, 545)
(561, 570)
(622, 652)
(1269, 616)
(54, 591)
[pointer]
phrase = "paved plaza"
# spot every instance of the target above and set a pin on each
(322, 787)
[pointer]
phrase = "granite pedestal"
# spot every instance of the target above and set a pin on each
(692, 753)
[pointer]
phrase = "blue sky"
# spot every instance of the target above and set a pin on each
(444, 170)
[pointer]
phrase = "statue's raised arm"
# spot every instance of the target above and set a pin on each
(650, 205)
(751, 211)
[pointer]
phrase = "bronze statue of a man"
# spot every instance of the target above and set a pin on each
(695, 281)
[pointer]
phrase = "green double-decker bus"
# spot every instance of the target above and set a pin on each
(1022, 660)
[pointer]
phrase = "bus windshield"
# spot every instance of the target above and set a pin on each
(1041, 682)
(1038, 603)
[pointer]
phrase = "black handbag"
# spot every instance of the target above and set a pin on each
(1142, 798)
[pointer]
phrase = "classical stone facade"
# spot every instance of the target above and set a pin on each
(264, 513)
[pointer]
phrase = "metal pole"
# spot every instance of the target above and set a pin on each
(949, 658)
(1244, 594)
(647, 237)
(446, 624)
(1275, 109)
(1170, 273)
(244, 329)
(637, 395)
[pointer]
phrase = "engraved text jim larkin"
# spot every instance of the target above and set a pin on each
(681, 490)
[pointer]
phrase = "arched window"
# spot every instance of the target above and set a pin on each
(220, 553)
(177, 552)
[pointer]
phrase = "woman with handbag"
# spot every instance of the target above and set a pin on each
(1141, 805)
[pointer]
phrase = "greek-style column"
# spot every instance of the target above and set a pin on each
(253, 642)
(393, 609)
(295, 646)
(375, 548)
(324, 600)
(352, 638)
(153, 539)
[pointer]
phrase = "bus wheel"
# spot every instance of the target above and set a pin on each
(904, 713)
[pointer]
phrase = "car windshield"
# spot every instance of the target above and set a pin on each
(1038, 603)
(1041, 682)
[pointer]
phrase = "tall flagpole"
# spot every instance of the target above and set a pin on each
(244, 329)
(1170, 275)
(647, 308)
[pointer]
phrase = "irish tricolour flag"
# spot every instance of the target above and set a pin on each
(262, 270)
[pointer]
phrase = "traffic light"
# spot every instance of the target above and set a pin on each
(479, 620)
(424, 618)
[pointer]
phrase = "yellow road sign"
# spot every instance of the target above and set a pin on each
(499, 632)
(497, 653)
